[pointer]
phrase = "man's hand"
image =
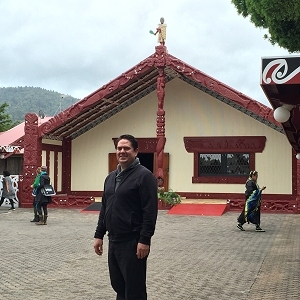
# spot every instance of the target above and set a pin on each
(142, 250)
(98, 246)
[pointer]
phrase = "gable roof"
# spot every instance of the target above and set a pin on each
(10, 136)
(136, 83)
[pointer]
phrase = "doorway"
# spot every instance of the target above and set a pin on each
(147, 160)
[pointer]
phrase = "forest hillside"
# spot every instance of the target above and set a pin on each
(23, 100)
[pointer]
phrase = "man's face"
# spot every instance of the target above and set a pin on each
(125, 153)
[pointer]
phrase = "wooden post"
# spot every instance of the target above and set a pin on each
(32, 157)
(160, 123)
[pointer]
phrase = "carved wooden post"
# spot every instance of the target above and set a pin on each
(32, 157)
(160, 62)
(66, 166)
(160, 122)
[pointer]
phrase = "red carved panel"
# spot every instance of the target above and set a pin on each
(67, 201)
(161, 57)
(229, 144)
(160, 122)
(71, 201)
(32, 157)
(271, 203)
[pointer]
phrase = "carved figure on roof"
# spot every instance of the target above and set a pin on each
(161, 30)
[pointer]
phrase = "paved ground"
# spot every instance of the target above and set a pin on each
(192, 257)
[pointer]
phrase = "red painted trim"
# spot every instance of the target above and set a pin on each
(49, 147)
(294, 174)
(48, 160)
(161, 58)
(222, 144)
(54, 178)
(87, 193)
(272, 203)
(99, 96)
(66, 165)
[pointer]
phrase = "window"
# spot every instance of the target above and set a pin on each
(223, 159)
(230, 164)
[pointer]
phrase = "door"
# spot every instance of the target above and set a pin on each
(149, 160)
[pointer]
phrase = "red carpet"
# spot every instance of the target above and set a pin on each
(198, 209)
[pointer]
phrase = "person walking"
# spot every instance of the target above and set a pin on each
(34, 187)
(128, 213)
(8, 192)
(251, 211)
(42, 201)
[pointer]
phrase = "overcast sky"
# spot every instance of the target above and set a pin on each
(76, 46)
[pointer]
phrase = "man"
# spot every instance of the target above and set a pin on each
(128, 213)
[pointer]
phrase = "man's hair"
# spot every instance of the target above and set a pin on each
(130, 138)
(6, 173)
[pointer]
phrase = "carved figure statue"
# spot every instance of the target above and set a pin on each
(161, 30)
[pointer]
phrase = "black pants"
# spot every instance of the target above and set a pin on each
(41, 207)
(127, 272)
(11, 201)
(241, 218)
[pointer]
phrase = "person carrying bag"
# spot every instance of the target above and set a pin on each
(42, 198)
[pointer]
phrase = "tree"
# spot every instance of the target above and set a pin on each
(5, 119)
(280, 17)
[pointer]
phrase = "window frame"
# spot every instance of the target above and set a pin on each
(219, 145)
(197, 178)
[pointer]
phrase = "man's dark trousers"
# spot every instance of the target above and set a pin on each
(127, 272)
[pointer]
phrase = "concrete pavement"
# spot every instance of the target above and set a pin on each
(192, 257)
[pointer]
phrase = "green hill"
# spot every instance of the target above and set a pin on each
(22, 100)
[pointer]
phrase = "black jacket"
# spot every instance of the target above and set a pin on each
(251, 186)
(130, 210)
(40, 198)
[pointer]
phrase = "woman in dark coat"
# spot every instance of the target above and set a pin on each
(251, 211)
(41, 201)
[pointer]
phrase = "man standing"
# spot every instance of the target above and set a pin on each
(128, 213)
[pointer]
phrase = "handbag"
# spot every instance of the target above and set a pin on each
(48, 190)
